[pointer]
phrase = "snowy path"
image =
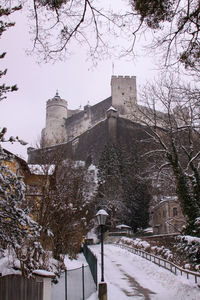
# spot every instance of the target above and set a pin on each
(131, 277)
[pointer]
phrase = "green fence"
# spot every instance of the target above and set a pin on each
(92, 262)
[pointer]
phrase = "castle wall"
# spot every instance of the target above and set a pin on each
(71, 112)
(91, 143)
(98, 111)
(90, 116)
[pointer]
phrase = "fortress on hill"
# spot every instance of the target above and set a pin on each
(83, 135)
(63, 124)
(80, 134)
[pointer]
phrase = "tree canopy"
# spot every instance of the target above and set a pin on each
(173, 28)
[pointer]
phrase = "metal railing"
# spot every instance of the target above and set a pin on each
(161, 262)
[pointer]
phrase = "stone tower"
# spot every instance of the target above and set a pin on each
(123, 91)
(56, 113)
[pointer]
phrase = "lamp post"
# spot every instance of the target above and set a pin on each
(101, 217)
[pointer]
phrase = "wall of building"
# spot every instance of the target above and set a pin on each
(167, 217)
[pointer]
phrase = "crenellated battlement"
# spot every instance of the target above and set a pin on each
(56, 101)
(123, 77)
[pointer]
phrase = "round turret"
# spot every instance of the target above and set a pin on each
(56, 109)
(56, 113)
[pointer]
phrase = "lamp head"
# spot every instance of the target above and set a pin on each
(101, 217)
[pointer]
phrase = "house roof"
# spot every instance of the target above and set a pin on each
(20, 160)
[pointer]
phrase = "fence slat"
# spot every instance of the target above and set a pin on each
(16, 287)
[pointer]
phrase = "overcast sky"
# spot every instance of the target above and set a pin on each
(77, 81)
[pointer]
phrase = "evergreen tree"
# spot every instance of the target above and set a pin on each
(136, 190)
(4, 25)
(110, 192)
(121, 190)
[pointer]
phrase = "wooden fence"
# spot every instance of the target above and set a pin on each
(168, 265)
(16, 287)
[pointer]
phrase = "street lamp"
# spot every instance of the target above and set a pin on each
(101, 220)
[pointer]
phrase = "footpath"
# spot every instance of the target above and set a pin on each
(131, 277)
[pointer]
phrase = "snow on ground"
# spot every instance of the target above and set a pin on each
(6, 264)
(130, 276)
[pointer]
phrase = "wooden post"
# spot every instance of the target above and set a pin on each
(45, 277)
(102, 291)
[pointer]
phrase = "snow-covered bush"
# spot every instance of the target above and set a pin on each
(182, 250)
(147, 247)
(189, 248)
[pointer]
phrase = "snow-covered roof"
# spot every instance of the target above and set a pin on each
(44, 273)
(42, 169)
(148, 230)
(121, 226)
(111, 108)
(166, 199)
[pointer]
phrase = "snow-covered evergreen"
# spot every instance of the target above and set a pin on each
(18, 232)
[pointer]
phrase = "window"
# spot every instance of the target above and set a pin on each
(175, 211)
(176, 227)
